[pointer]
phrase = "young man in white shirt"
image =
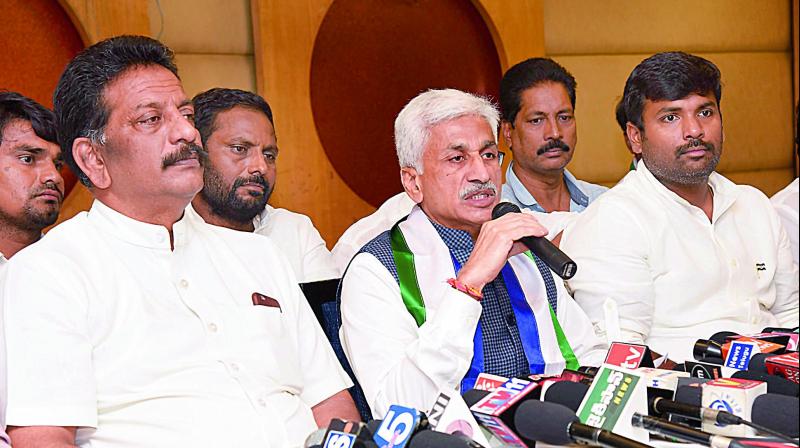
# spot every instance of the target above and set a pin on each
(31, 190)
(471, 300)
(154, 328)
(238, 134)
(675, 251)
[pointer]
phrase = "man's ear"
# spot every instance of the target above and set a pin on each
(505, 128)
(90, 160)
(411, 183)
(635, 136)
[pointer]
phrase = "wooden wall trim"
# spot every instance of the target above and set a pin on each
(284, 34)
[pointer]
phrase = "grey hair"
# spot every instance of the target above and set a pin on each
(413, 123)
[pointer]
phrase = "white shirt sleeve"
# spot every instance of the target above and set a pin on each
(395, 361)
(323, 376)
(318, 263)
(610, 248)
(50, 374)
(587, 346)
(785, 307)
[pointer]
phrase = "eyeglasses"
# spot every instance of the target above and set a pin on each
(500, 156)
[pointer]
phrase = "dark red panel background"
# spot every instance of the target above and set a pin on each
(37, 40)
(370, 58)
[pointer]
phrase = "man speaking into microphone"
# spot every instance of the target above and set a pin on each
(448, 292)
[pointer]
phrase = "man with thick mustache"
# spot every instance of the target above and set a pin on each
(151, 327)
(675, 251)
(448, 292)
(537, 98)
(32, 190)
(239, 175)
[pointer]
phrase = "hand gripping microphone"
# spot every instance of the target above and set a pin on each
(552, 256)
(557, 425)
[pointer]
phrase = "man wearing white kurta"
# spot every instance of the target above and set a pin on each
(472, 301)
(239, 176)
(677, 252)
(137, 324)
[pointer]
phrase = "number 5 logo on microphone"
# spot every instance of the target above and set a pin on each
(338, 439)
(397, 426)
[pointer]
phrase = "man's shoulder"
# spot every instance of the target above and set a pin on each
(69, 237)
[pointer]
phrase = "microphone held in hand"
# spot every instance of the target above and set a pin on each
(552, 256)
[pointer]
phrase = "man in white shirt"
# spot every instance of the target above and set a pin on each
(31, 189)
(787, 205)
(154, 328)
(238, 134)
(472, 300)
(677, 252)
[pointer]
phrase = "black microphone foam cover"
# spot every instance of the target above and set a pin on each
(504, 208)
(544, 422)
(775, 384)
(777, 412)
(473, 396)
(692, 395)
(566, 393)
(758, 363)
(373, 425)
(433, 439)
(721, 337)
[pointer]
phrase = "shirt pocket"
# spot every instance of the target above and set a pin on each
(268, 342)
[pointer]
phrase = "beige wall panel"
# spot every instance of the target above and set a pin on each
(203, 26)
(768, 181)
(636, 26)
(200, 72)
(284, 37)
(99, 19)
(756, 103)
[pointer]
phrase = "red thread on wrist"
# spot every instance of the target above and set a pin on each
(473, 292)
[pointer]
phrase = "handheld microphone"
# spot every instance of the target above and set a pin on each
(683, 433)
(557, 425)
(552, 256)
(778, 413)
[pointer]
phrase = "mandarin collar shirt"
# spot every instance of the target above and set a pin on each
(653, 268)
(300, 241)
(581, 193)
(208, 344)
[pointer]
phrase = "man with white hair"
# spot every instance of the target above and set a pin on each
(448, 292)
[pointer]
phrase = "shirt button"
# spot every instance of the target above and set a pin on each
(262, 402)
(235, 367)
(212, 327)
(184, 283)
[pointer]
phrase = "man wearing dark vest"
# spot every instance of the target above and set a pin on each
(448, 292)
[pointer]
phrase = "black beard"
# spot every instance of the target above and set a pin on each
(225, 203)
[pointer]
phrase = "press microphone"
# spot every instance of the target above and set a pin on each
(567, 393)
(773, 411)
(557, 425)
(663, 406)
(552, 256)
(682, 433)
(775, 384)
(432, 439)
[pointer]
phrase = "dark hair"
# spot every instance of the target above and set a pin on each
(527, 74)
(211, 102)
(668, 76)
(78, 100)
(619, 114)
(14, 106)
